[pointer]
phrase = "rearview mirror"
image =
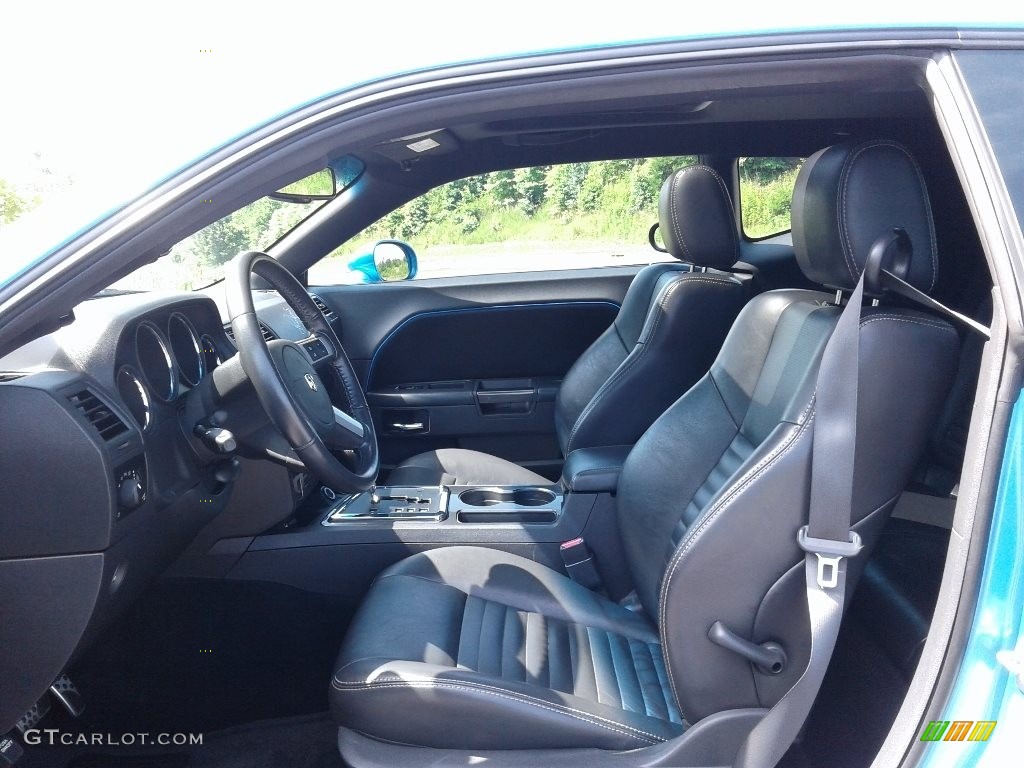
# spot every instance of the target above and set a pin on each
(389, 261)
(321, 185)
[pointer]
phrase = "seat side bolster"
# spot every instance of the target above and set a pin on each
(486, 708)
(683, 331)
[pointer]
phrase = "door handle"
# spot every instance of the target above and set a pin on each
(415, 426)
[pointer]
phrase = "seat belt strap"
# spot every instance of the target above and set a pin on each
(826, 539)
(895, 284)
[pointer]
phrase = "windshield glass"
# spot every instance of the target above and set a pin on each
(198, 260)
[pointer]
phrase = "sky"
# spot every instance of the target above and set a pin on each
(115, 95)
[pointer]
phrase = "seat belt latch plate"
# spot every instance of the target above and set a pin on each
(830, 554)
(579, 564)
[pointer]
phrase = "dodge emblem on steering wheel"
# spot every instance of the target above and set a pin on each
(310, 381)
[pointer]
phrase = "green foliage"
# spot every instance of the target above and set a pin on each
(613, 201)
(766, 193)
(393, 269)
(253, 227)
(531, 188)
(13, 203)
(764, 170)
(319, 183)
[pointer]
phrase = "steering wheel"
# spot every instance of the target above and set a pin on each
(286, 377)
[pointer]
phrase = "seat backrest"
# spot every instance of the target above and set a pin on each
(670, 327)
(711, 497)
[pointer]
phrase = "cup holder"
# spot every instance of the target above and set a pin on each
(520, 497)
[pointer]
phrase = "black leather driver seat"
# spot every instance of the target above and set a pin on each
(670, 327)
(475, 649)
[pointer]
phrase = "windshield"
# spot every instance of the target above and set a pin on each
(198, 261)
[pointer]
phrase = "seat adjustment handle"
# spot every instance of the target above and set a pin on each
(769, 657)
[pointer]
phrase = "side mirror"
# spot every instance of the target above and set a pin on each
(394, 260)
(389, 261)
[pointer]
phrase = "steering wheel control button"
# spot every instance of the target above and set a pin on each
(316, 349)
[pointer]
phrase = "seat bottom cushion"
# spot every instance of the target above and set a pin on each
(457, 466)
(474, 648)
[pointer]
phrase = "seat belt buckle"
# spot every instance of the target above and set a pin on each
(830, 554)
(579, 564)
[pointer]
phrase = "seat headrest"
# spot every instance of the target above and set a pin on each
(846, 197)
(696, 218)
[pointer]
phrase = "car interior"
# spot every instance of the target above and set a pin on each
(528, 518)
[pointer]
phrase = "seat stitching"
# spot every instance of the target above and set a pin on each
(611, 725)
(480, 629)
(844, 180)
(940, 326)
(341, 669)
(672, 213)
(684, 547)
(628, 364)
(427, 579)
(728, 201)
(645, 695)
(526, 648)
(841, 207)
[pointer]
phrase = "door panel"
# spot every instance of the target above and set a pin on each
(489, 342)
(473, 362)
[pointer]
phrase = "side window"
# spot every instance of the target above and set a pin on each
(766, 194)
(541, 218)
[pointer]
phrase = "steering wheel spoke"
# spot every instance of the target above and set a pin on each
(287, 378)
(348, 433)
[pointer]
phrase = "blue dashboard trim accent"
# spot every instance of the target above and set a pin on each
(480, 308)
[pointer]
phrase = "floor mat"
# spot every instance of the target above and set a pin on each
(310, 741)
(196, 656)
(877, 649)
(177, 760)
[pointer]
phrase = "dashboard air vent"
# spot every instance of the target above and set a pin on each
(322, 306)
(268, 334)
(99, 415)
(9, 376)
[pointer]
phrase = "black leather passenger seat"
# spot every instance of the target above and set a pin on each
(671, 325)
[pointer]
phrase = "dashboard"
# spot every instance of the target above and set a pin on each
(107, 484)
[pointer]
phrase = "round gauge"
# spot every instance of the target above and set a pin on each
(155, 361)
(210, 353)
(188, 352)
(133, 393)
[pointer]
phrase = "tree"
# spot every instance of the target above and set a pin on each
(563, 182)
(501, 186)
(531, 188)
(12, 204)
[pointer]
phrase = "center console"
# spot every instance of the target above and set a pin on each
(458, 504)
(339, 543)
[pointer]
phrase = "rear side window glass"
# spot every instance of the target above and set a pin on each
(551, 217)
(766, 194)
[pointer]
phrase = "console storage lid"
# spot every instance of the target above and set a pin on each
(594, 470)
